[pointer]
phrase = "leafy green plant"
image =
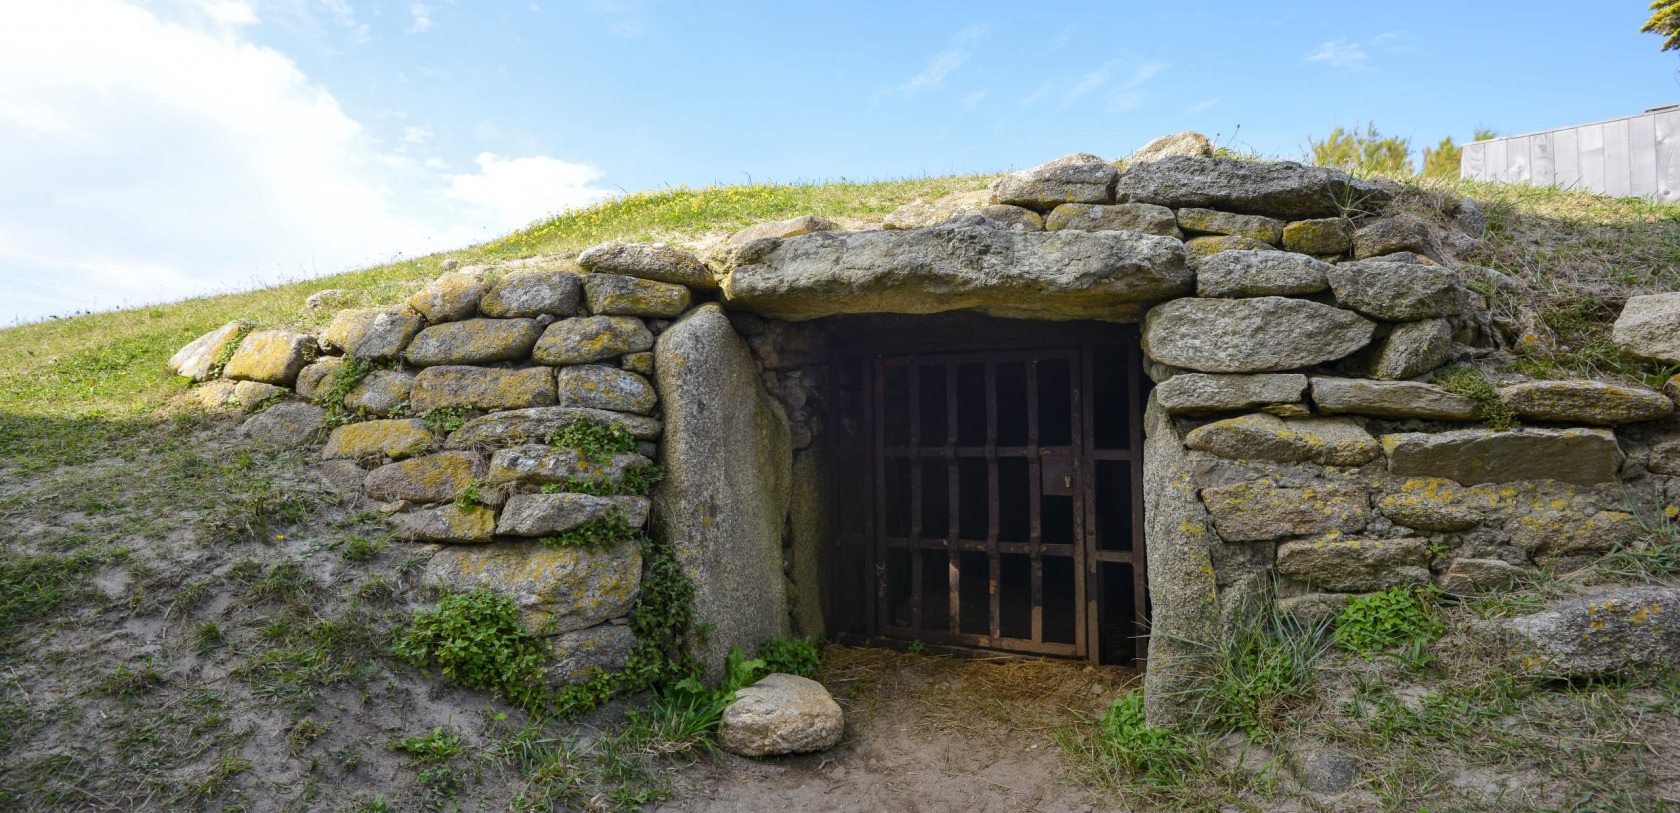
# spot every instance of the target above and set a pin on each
(470, 497)
(638, 482)
(597, 441)
(1362, 153)
(1469, 382)
(793, 656)
(440, 745)
(344, 379)
(1400, 616)
(596, 534)
(443, 420)
(1124, 749)
(477, 639)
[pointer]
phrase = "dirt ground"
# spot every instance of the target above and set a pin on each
(924, 734)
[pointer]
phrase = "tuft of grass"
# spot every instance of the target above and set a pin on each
(1123, 750)
(1261, 673)
(1469, 382)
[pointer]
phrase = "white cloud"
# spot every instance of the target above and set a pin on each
(943, 64)
(517, 191)
(972, 100)
(1339, 53)
(422, 18)
(417, 135)
(1204, 106)
(151, 156)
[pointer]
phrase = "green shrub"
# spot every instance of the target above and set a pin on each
(1400, 616)
(596, 441)
(793, 656)
(476, 638)
(1367, 153)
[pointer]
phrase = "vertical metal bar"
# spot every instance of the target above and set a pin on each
(993, 563)
(953, 527)
(1084, 523)
(878, 534)
(1134, 414)
(1035, 526)
(915, 397)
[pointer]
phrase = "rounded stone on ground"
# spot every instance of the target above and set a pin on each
(1614, 632)
(781, 714)
(532, 292)
(376, 334)
(580, 655)
(1649, 328)
(253, 394)
(618, 295)
(585, 339)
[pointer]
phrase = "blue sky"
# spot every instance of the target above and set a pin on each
(155, 149)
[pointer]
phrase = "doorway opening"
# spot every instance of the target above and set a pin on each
(987, 487)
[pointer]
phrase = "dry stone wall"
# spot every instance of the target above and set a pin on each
(1302, 439)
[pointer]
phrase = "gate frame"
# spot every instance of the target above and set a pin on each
(1082, 338)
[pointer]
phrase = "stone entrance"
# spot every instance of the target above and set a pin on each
(986, 492)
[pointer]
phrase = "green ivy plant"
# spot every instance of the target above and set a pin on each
(1400, 616)
(476, 638)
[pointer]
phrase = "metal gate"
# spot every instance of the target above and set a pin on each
(1002, 506)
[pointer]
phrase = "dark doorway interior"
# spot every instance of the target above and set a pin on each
(986, 485)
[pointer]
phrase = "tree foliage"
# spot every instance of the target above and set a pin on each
(1363, 153)
(1665, 22)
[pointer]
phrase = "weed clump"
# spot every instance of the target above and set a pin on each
(1400, 616)
(476, 638)
(1124, 749)
(1470, 383)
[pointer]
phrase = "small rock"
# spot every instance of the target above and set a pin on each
(394, 439)
(591, 338)
(922, 215)
(1434, 507)
(1138, 217)
(638, 363)
(1323, 770)
(380, 393)
(1355, 565)
(449, 265)
(578, 656)
(540, 465)
(657, 262)
(1468, 577)
(1282, 189)
(314, 380)
(1564, 531)
(1313, 609)
(1013, 218)
(448, 523)
(1396, 292)
(433, 478)
(1201, 393)
(1591, 402)
(594, 386)
(1258, 511)
(271, 357)
(1390, 234)
(253, 394)
(548, 514)
(1471, 456)
(1326, 235)
(1649, 328)
(482, 388)
(1259, 273)
(1612, 632)
(1254, 335)
(377, 334)
(535, 425)
(1390, 399)
(473, 341)
(1198, 247)
(450, 297)
(285, 425)
(329, 298)
(532, 292)
(781, 714)
(1078, 178)
(792, 227)
(1188, 144)
(1326, 441)
(1411, 349)
(198, 359)
(616, 295)
(1210, 221)
(216, 394)
(557, 590)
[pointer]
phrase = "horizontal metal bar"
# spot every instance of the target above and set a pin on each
(976, 546)
(1009, 644)
(975, 451)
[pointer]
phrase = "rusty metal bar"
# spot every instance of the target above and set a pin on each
(913, 373)
(953, 513)
(1035, 522)
(993, 562)
(1084, 522)
(883, 604)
